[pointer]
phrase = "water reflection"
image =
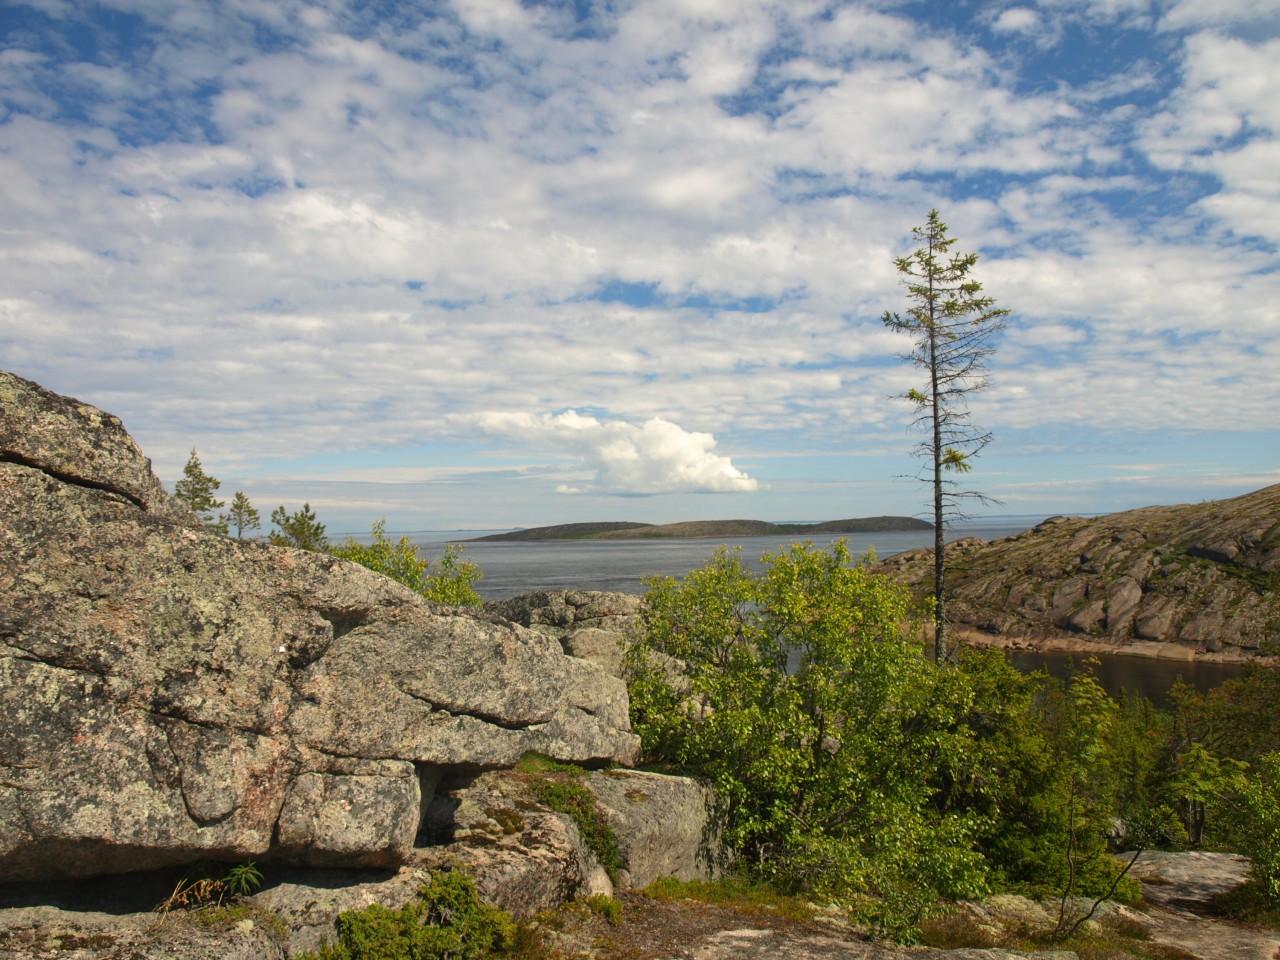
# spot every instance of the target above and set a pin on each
(1150, 677)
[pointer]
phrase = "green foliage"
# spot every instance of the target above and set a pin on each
(450, 582)
(822, 727)
(447, 922)
(605, 906)
(534, 762)
(300, 529)
(1247, 903)
(241, 515)
(196, 489)
(397, 560)
(199, 888)
(851, 767)
(564, 794)
(1079, 719)
(242, 879)
(1238, 720)
(1255, 810)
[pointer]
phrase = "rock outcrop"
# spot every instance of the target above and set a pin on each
(664, 825)
(1204, 577)
(589, 624)
(172, 695)
(527, 857)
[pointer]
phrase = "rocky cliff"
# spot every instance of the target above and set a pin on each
(171, 695)
(1203, 579)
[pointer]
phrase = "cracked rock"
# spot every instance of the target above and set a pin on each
(172, 695)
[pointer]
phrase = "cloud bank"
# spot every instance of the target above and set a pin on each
(308, 238)
(652, 457)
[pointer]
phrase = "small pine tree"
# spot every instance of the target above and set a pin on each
(242, 515)
(300, 529)
(952, 328)
(196, 490)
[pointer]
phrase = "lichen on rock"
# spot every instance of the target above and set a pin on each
(174, 695)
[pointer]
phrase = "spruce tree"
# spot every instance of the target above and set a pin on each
(242, 515)
(953, 328)
(196, 489)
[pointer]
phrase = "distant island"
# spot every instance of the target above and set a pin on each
(622, 530)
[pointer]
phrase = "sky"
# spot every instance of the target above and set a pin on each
(484, 264)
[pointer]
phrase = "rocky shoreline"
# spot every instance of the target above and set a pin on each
(1139, 650)
(175, 697)
(1194, 581)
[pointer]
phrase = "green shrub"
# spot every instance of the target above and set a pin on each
(447, 922)
(1256, 816)
(564, 794)
(820, 724)
(450, 581)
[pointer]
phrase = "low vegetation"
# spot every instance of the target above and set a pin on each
(204, 886)
(448, 921)
(558, 786)
(450, 579)
(852, 768)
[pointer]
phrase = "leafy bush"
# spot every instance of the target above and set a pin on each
(447, 922)
(850, 766)
(1256, 816)
(822, 726)
(449, 582)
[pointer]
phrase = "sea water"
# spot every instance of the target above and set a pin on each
(512, 568)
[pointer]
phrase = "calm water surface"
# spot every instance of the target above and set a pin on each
(511, 569)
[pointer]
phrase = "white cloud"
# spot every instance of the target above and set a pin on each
(1016, 20)
(652, 457)
(1184, 14)
(1225, 121)
(359, 235)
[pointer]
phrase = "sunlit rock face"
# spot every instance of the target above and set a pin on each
(172, 695)
(1202, 578)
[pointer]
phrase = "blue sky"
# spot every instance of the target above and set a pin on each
(488, 263)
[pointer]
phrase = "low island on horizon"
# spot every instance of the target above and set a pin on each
(624, 530)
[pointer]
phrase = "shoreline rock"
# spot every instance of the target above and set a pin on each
(1140, 650)
(1200, 577)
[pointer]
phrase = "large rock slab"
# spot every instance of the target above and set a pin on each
(1198, 577)
(172, 695)
(665, 825)
(592, 625)
(527, 857)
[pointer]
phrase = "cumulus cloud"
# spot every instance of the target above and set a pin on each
(656, 456)
(1016, 20)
